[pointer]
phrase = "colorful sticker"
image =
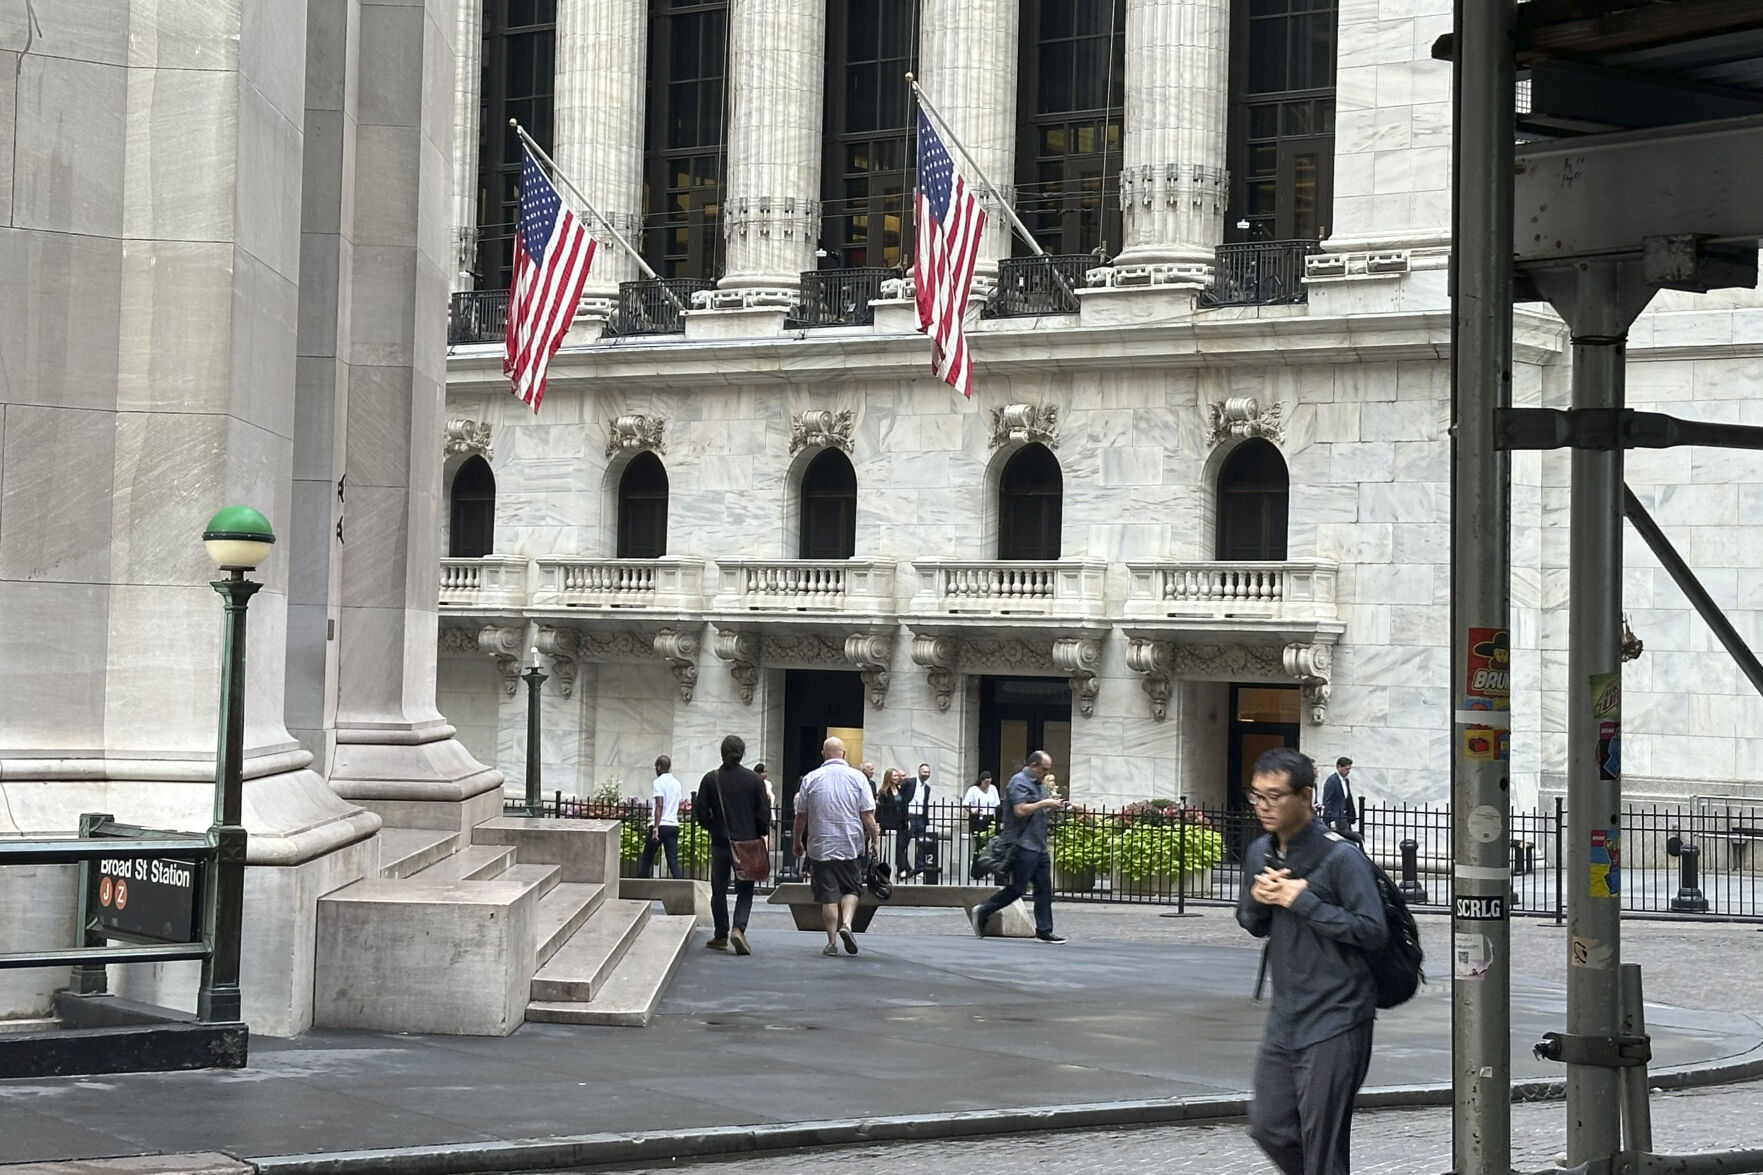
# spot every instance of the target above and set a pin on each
(1606, 863)
(1486, 744)
(1607, 696)
(1489, 682)
(1473, 955)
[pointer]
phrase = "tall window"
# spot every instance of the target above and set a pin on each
(1072, 90)
(829, 507)
(1281, 154)
(1253, 491)
(642, 509)
(472, 511)
(866, 182)
(683, 164)
(519, 80)
(1030, 498)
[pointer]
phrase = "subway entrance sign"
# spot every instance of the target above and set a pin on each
(148, 899)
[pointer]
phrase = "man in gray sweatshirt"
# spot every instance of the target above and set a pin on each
(1311, 895)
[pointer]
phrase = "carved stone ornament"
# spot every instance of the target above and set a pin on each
(1311, 665)
(1227, 663)
(1026, 424)
(1241, 417)
(617, 644)
(680, 651)
(559, 644)
(636, 431)
(818, 427)
(1009, 657)
(1154, 660)
(1078, 658)
(503, 645)
(467, 438)
(939, 655)
(871, 653)
(741, 651)
(802, 650)
(458, 640)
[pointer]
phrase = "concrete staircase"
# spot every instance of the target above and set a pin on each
(474, 931)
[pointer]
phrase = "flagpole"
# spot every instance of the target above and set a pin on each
(539, 151)
(918, 92)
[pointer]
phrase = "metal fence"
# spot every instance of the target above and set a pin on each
(1161, 853)
(656, 306)
(840, 297)
(1029, 286)
(1259, 273)
(477, 316)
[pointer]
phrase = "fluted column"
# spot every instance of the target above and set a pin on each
(1173, 188)
(468, 79)
(600, 71)
(967, 52)
(771, 210)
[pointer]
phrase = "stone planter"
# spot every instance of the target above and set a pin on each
(1162, 886)
(1074, 880)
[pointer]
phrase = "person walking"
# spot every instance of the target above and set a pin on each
(731, 805)
(663, 821)
(1311, 895)
(1339, 810)
(835, 823)
(1026, 807)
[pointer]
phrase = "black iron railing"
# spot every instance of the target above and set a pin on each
(477, 316)
(1029, 286)
(1259, 273)
(840, 297)
(656, 306)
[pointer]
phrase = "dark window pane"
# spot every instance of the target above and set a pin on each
(472, 511)
(1253, 491)
(1267, 57)
(1030, 495)
(1263, 122)
(642, 509)
(829, 508)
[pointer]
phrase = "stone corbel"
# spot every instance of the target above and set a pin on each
(636, 431)
(503, 645)
(466, 437)
(938, 656)
(559, 644)
(741, 651)
(680, 651)
(1311, 665)
(1078, 658)
(1027, 424)
(871, 653)
(1241, 417)
(819, 427)
(1155, 661)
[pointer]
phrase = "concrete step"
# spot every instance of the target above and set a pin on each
(471, 863)
(630, 996)
(576, 972)
(562, 912)
(586, 850)
(404, 851)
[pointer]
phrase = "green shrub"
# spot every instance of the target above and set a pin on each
(1145, 849)
(694, 845)
(1081, 842)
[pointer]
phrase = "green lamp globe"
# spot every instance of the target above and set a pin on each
(238, 538)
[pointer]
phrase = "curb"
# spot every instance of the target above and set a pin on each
(613, 1148)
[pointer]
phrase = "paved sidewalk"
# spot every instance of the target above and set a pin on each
(926, 1033)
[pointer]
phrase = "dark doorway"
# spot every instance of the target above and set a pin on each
(829, 508)
(642, 509)
(471, 513)
(1031, 494)
(816, 702)
(1253, 495)
(1022, 714)
(1262, 717)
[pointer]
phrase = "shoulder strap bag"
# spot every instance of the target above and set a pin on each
(752, 859)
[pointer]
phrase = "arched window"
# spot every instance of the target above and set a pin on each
(1253, 489)
(642, 509)
(829, 508)
(1030, 495)
(472, 512)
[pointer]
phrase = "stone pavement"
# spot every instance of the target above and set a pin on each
(927, 1033)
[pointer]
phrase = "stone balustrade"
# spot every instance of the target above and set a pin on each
(804, 585)
(1299, 590)
(492, 581)
(667, 583)
(1064, 587)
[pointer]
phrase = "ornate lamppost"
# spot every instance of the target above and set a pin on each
(238, 538)
(534, 678)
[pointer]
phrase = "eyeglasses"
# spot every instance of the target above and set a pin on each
(1263, 799)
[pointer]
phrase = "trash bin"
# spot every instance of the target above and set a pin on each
(1524, 857)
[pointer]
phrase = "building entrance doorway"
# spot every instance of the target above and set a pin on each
(1022, 714)
(817, 703)
(1262, 717)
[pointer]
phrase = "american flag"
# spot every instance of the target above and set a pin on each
(552, 253)
(949, 224)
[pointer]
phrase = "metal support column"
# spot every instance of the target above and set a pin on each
(218, 999)
(1481, 382)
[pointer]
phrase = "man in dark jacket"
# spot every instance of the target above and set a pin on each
(1311, 895)
(731, 805)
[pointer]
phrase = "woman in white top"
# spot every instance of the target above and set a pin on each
(982, 804)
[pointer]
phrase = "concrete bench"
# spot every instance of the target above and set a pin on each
(677, 895)
(1013, 921)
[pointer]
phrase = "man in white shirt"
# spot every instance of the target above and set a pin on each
(917, 794)
(663, 820)
(835, 822)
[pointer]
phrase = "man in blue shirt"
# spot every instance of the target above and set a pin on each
(1025, 809)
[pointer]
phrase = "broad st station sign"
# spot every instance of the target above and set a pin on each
(157, 898)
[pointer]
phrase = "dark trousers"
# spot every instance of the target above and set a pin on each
(722, 871)
(1302, 1115)
(901, 839)
(667, 839)
(1030, 867)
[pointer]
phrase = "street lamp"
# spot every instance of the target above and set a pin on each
(534, 678)
(238, 538)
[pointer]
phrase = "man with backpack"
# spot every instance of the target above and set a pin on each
(1315, 899)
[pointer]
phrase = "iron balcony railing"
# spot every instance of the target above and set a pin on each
(656, 306)
(1031, 286)
(840, 297)
(1259, 273)
(477, 316)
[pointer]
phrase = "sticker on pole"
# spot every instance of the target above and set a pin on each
(1606, 863)
(1488, 685)
(1472, 954)
(1607, 714)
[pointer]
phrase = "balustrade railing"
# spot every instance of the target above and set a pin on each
(477, 316)
(492, 581)
(1300, 590)
(840, 297)
(1005, 587)
(805, 585)
(1259, 273)
(1030, 286)
(618, 583)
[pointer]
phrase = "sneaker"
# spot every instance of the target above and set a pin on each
(1050, 937)
(718, 944)
(849, 939)
(738, 938)
(979, 928)
(830, 951)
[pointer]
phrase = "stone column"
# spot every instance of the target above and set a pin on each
(468, 80)
(601, 67)
(967, 53)
(771, 205)
(1173, 188)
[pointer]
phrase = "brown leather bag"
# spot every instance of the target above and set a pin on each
(752, 858)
